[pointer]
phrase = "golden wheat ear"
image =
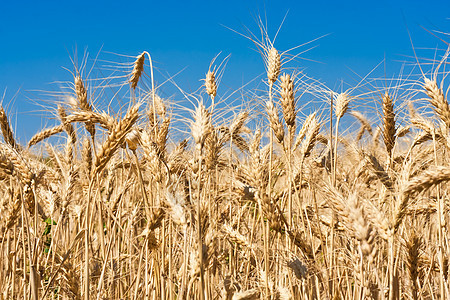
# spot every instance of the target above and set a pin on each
(274, 121)
(413, 261)
(287, 99)
(138, 68)
(44, 134)
(365, 125)
(438, 100)
(116, 138)
(251, 294)
(273, 65)
(201, 126)
(389, 130)
(210, 84)
(6, 129)
(341, 107)
(83, 103)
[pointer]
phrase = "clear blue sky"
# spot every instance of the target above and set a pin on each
(39, 37)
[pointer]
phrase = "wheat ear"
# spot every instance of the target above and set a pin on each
(201, 126)
(210, 84)
(301, 135)
(116, 138)
(416, 185)
(341, 107)
(389, 131)
(87, 156)
(311, 135)
(236, 237)
(426, 180)
(83, 103)
(365, 125)
(274, 120)
(103, 119)
(251, 294)
(6, 129)
(273, 64)
(138, 68)
(437, 99)
(68, 127)
(413, 246)
(27, 177)
(287, 99)
(44, 134)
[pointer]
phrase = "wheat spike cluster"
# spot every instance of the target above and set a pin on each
(270, 199)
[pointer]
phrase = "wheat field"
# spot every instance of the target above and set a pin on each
(287, 203)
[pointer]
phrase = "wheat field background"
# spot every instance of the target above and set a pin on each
(268, 199)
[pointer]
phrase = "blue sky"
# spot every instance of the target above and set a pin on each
(39, 37)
